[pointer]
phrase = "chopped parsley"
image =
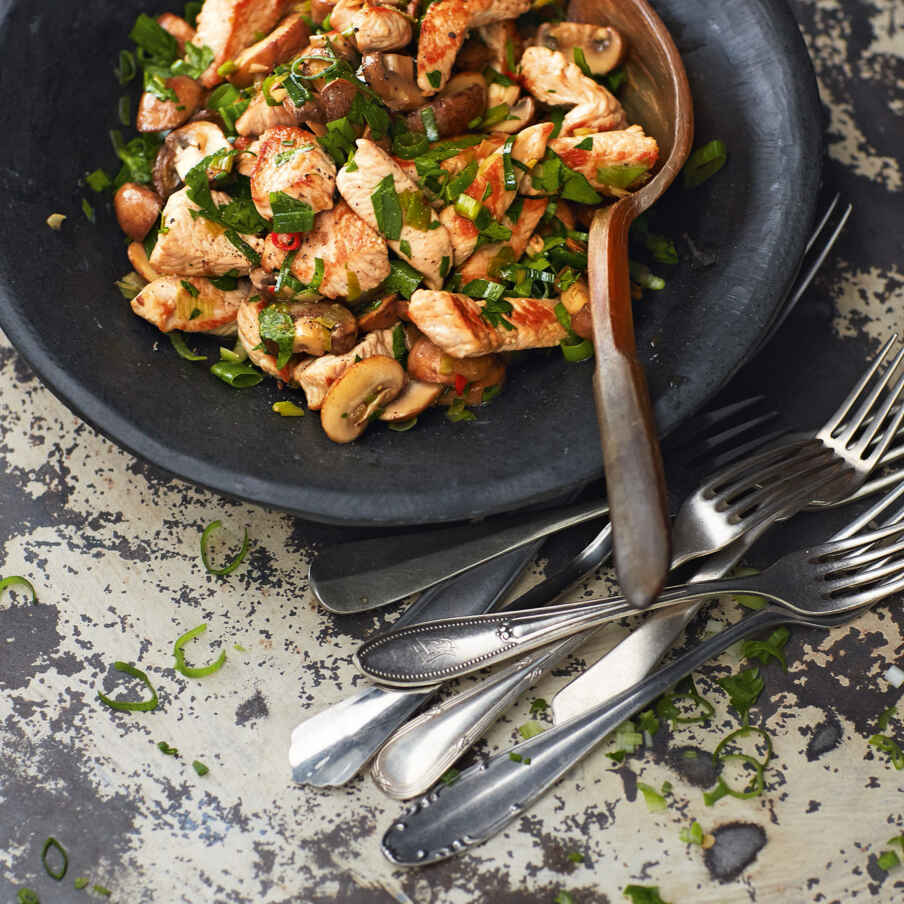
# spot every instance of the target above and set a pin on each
(278, 327)
(743, 690)
(387, 208)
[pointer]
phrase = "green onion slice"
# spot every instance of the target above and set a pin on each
(228, 569)
(237, 374)
(428, 118)
(705, 162)
(403, 426)
(131, 705)
(575, 352)
(287, 409)
(18, 581)
(751, 790)
(165, 749)
(199, 767)
(743, 733)
(179, 652)
(27, 896)
(178, 343)
(53, 843)
(468, 207)
(508, 171)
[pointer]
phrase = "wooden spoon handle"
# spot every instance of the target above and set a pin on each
(634, 477)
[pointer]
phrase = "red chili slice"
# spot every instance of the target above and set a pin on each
(286, 241)
(461, 384)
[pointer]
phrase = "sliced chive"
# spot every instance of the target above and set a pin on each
(101, 890)
(178, 343)
(403, 426)
(387, 208)
(50, 843)
(88, 211)
(131, 705)
(18, 581)
(231, 566)
(705, 162)
(179, 655)
(98, 180)
(287, 409)
(199, 767)
(81, 882)
(428, 118)
(165, 749)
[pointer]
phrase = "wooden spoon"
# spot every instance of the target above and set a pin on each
(656, 95)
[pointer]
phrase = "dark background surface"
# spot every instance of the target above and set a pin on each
(855, 302)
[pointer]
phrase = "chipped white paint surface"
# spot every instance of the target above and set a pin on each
(112, 548)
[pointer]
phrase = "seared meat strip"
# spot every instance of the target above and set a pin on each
(454, 323)
(426, 249)
(615, 162)
(193, 246)
(555, 80)
(170, 304)
(374, 26)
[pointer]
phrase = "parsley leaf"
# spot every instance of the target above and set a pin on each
(387, 209)
(744, 689)
(277, 326)
(772, 648)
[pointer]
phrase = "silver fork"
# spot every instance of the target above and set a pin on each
(847, 436)
(486, 797)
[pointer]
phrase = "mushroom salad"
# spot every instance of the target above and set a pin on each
(382, 200)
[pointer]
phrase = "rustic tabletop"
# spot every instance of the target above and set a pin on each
(112, 548)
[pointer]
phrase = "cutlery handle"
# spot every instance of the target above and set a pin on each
(635, 482)
(355, 577)
(438, 651)
(332, 746)
(488, 796)
(421, 751)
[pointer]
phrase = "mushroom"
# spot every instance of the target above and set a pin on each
(575, 299)
(137, 209)
(336, 98)
(138, 258)
(380, 315)
(185, 148)
(602, 46)
(415, 398)
(359, 396)
(463, 99)
(519, 116)
(393, 77)
(156, 115)
(178, 28)
(474, 390)
(430, 364)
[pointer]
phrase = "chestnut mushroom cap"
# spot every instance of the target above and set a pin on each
(603, 47)
(359, 396)
(463, 99)
(156, 115)
(137, 209)
(380, 315)
(394, 78)
(414, 398)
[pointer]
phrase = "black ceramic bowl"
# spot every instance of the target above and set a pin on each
(753, 88)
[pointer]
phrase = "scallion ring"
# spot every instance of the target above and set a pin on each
(575, 352)
(131, 705)
(179, 656)
(237, 374)
(53, 843)
(743, 733)
(182, 350)
(18, 581)
(231, 566)
(705, 162)
(722, 788)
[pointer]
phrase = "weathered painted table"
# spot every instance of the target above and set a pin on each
(112, 548)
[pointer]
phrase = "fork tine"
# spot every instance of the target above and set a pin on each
(847, 544)
(740, 473)
(873, 512)
(866, 577)
(773, 480)
(890, 431)
(844, 409)
(875, 552)
(871, 595)
(742, 451)
(865, 409)
(822, 223)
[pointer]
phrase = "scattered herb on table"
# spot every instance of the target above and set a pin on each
(179, 656)
(205, 539)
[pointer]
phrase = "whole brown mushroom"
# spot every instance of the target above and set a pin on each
(137, 209)
(393, 77)
(156, 115)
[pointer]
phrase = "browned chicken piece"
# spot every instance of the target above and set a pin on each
(193, 246)
(281, 45)
(354, 255)
(454, 323)
(178, 28)
(250, 336)
(374, 26)
(157, 115)
(332, 42)
(260, 116)
(291, 161)
(456, 164)
(248, 149)
(616, 162)
(489, 189)
(426, 249)
(190, 304)
(486, 261)
(317, 375)
(227, 27)
(443, 31)
(556, 80)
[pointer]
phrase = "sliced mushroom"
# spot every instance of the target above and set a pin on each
(380, 315)
(519, 116)
(359, 396)
(463, 99)
(394, 78)
(185, 148)
(474, 389)
(474, 55)
(246, 159)
(156, 115)
(603, 47)
(430, 364)
(139, 260)
(320, 328)
(415, 398)
(502, 94)
(137, 209)
(337, 98)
